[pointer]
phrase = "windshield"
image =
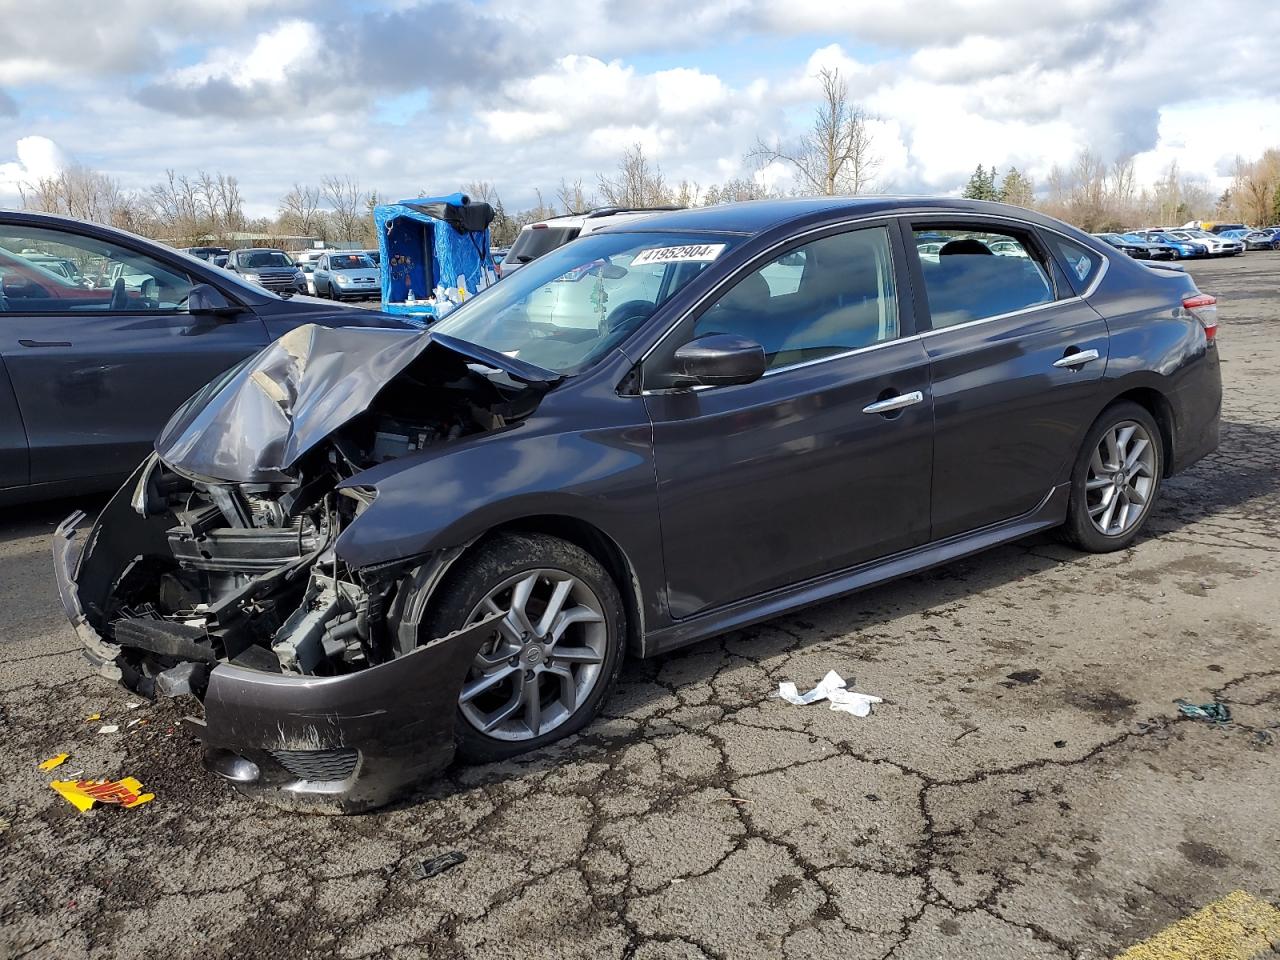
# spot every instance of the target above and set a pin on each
(565, 310)
(352, 261)
(256, 259)
(1133, 238)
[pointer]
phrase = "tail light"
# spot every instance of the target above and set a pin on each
(1205, 309)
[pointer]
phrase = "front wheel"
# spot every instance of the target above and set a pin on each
(1116, 479)
(554, 654)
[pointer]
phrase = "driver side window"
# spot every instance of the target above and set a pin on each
(818, 300)
(54, 271)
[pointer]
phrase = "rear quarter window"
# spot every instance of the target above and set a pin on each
(1080, 263)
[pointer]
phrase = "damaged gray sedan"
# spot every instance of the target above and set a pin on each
(364, 551)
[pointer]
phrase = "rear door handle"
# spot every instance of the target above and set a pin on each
(45, 343)
(890, 404)
(1079, 358)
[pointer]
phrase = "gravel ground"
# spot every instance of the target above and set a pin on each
(1028, 788)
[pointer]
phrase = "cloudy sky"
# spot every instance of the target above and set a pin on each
(409, 96)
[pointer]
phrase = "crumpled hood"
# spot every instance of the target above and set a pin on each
(253, 423)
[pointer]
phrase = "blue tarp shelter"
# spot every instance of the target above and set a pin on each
(427, 242)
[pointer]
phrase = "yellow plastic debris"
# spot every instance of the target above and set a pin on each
(83, 794)
(92, 717)
(54, 761)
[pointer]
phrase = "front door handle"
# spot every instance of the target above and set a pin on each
(45, 343)
(890, 404)
(1076, 359)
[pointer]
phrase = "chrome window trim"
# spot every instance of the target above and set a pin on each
(1089, 291)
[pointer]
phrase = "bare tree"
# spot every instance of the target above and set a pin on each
(1255, 186)
(1092, 195)
(175, 206)
(688, 193)
(573, 198)
(482, 191)
(637, 183)
(300, 210)
(539, 211)
(836, 155)
(347, 201)
(737, 189)
(223, 205)
(78, 191)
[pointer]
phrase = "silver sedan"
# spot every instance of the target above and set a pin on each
(341, 276)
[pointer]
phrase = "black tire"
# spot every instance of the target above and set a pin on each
(494, 562)
(1079, 529)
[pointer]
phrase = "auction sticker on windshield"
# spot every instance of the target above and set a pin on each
(700, 252)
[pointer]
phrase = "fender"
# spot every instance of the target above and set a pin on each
(449, 496)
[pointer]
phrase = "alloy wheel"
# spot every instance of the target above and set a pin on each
(544, 659)
(1121, 478)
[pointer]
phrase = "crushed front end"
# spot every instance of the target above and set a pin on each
(231, 589)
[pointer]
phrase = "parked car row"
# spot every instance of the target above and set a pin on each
(1264, 238)
(1169, 243)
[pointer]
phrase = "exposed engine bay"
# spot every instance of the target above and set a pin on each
(246, 572)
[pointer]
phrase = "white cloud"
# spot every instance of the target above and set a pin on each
(273, 56)
(523, 95)
(36, 159)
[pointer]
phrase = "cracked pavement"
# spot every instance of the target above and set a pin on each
(1064, 811)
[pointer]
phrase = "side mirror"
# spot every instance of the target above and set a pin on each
(207, 300)
(719, 359)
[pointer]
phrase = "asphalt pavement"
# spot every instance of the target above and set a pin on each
(1027, 789)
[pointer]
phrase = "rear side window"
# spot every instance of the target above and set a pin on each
(1081, 263)
(536, 241)
(975, 274)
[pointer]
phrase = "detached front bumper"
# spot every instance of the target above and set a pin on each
(341, 744)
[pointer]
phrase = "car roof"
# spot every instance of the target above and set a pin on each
(752, 217)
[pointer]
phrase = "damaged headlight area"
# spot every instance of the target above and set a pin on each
(233, 590)
(250, 578)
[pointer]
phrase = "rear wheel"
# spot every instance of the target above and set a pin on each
(554, 654)
(1116, 479)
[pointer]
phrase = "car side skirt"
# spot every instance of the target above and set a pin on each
(1049, 513)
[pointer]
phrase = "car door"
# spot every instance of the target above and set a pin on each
(97, 367)
(822, 463)
(14, 466)
(323, 280)
(1015, 358)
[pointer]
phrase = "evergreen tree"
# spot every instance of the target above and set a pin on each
(1017, 189)
(978, 185)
